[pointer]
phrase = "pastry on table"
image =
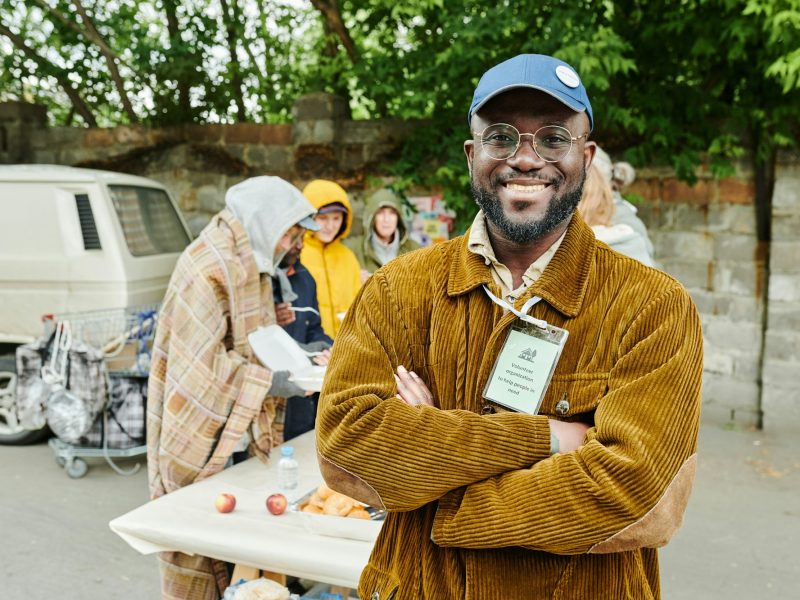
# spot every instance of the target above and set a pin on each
(325, 501)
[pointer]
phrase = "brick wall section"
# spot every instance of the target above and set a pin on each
(781, 399)
(704, 235)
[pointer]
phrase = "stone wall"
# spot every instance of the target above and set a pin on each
(197, 163)
(19, 122)
(781, 399)
(704, 235)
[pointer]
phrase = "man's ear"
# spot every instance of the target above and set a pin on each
(469, 148)
(589, 149)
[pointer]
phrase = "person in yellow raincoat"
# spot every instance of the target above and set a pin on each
(334, 266)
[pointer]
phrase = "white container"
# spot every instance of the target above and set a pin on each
(278, 351)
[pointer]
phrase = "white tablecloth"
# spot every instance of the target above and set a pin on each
(187, 521)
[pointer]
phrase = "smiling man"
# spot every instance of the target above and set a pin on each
(523, 400)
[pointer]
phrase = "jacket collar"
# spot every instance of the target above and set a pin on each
(563, 283)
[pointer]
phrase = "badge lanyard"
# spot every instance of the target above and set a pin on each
(523, 370)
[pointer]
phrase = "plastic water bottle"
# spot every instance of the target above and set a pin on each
(288, 469)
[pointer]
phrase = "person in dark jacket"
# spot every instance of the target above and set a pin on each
(385, 233)
(296, 310)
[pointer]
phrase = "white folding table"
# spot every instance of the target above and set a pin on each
(186, 521)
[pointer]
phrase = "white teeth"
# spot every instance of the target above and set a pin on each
(537, 187)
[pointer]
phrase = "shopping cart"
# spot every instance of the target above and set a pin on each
(124, 339)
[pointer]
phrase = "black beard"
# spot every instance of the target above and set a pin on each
(557, 211)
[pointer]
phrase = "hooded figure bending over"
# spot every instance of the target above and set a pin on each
(208, 396)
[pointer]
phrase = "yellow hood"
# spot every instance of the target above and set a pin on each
(321, 192)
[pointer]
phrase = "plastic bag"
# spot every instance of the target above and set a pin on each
(68, 415)
(73, 405)
(32, 391)
(257, 589)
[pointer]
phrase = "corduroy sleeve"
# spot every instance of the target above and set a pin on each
(627, 486)
(409, 456)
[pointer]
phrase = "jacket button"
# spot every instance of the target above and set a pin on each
(488, 409)
(375, 596)
(562, 407)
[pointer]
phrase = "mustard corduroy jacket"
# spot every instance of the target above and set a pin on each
(478, 507)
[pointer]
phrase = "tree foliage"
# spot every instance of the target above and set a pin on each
(671, 82)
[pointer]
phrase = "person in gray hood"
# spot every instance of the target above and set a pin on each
(208, 395)
(385, 233)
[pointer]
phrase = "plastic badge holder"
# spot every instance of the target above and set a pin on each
(522, 373)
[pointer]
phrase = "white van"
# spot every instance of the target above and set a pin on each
(74, 240)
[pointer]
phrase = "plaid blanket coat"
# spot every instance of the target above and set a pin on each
(206, 388)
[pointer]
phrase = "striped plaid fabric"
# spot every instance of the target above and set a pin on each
(206, 388)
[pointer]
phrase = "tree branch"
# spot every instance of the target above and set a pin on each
(110, 56)
(58, 73)
(333, 19)
(99, 42)
(184, 98)
(230, 18)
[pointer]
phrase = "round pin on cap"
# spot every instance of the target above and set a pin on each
(567, 76)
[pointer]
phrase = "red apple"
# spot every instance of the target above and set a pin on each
(225, 503)
(276, 504)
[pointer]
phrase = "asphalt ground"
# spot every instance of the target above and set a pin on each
(738, 539)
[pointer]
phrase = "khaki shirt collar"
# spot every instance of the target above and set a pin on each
(562, 284)
(480, 244)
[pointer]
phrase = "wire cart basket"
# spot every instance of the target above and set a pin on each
(124, 339)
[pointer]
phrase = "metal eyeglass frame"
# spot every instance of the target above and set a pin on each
(572, 141)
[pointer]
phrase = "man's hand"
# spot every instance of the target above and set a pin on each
(570, 435)
(284, 314)
(283, 388)
(322, 359)
(319, 352)
(411, 389)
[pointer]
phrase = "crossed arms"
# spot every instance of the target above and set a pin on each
(496, 469)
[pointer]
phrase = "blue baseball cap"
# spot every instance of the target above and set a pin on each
(535, 71)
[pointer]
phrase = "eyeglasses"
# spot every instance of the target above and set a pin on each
(551, 143)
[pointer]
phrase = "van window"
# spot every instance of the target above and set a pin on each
(149, 221)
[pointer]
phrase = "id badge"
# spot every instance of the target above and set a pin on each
(522, 372)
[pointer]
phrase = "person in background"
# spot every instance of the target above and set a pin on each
(623, 174)
(385, 233)
(332, 264)
(597, 209)
(570, 497)
(297, 311)
(624, 211)
(208, 397)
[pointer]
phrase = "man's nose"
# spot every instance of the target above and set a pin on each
(526, 158)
